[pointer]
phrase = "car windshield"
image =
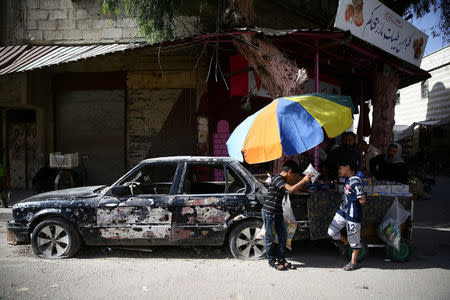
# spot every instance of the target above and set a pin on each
(101, 189)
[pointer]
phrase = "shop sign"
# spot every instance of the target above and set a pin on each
(378, 25)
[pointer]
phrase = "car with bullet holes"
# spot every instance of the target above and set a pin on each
(162, 201)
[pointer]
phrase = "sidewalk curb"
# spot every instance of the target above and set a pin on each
(6, 214)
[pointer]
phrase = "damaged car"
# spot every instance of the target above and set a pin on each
(187, 201)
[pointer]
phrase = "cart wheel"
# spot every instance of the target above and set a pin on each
(64, 180)
(363, 252)
(401, 255)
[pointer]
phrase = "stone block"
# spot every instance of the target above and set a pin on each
(53, 35)
(32, 4)
(72, 35)
(92, 34)
(35, 35)
(67, 24)
(37, 14)
(104, 23)
(47, 24)
(85, 24)
(57, 14)
(126, 23)
(31, 24)
(131, 33)
(66, 4)
(112, 33)
(81, 14)
(50, 4)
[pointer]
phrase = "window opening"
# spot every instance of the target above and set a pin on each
(204, 179)
(151, 179)
(424, 88)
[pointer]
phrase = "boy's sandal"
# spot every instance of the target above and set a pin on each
(277, 266)
(288, 265)
(350, 267)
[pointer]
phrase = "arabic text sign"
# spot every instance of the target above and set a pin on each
(373, 22)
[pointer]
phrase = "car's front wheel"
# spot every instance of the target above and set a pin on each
(55, 238)
(244, 242)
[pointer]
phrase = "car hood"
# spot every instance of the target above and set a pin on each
(67, 194)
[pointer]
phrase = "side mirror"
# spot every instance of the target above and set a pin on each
(120, 190)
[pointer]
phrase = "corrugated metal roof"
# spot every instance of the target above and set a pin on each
(26, 58)
(15, 59)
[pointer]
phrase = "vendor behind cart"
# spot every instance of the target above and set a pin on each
(369, 152)
(390, 166)
(348, 151)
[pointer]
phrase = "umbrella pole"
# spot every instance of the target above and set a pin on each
(316, 90)
(361, 118)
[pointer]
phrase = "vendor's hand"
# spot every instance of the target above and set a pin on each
(307, 178)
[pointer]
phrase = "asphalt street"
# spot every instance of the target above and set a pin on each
(211, 273)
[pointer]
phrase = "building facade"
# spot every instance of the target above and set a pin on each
(429, 99)
(75, 80)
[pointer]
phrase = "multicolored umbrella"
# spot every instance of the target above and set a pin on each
(291, 125)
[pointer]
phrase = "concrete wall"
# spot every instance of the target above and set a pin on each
(12, 21)
(160, 111)
(82, 21)
(70, 22)
(27, 143)
(160, 122)
(31, 91)
(13, 90)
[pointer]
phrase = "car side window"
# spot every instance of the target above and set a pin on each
(152, 179)
(204, 178)
(234, 182)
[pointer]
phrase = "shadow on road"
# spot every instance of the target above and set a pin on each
(432, 251)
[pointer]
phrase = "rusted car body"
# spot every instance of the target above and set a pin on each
(161, 201)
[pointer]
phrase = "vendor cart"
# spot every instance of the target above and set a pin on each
(315, 210)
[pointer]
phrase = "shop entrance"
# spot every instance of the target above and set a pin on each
(19, 146)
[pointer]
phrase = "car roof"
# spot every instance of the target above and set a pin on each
(189, 158)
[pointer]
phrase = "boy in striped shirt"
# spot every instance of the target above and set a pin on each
(272, 213)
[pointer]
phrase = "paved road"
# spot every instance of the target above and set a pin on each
(210, 273)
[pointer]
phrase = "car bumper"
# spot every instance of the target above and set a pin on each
(17, 233)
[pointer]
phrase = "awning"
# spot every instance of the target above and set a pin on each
(15, 59)
(347, 53)
(404, 131)
(340, 52)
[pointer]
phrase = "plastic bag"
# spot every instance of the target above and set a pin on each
(389, 228)
(310, 170)
(261, 233)
(289, 219)
(269, 179)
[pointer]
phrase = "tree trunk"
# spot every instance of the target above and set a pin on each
(239, 13)
(384, 94)
(279, 75)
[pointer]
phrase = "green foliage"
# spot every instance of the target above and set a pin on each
(442, 25)
(156, 18)
(419, 8)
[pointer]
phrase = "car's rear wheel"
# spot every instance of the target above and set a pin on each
(243, 241)
(55, 238)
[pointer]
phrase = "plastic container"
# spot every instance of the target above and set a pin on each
(63, 161)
